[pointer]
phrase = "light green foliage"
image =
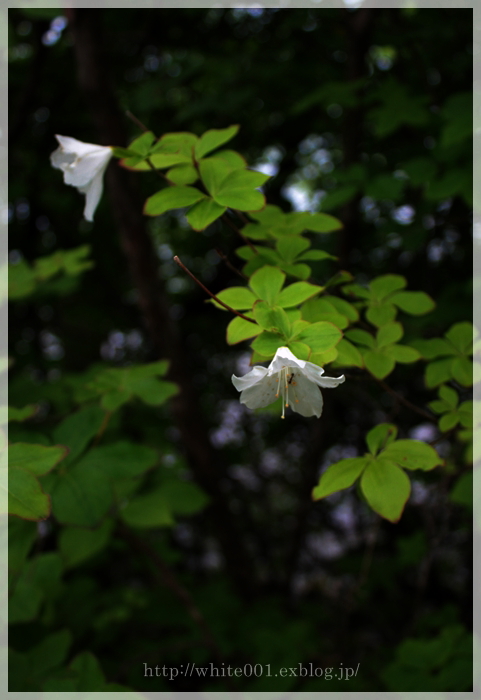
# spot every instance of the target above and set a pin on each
(453, 413)
(381, 353)
(289, 255)
(450, 356)
(273, 223)
(385, 295)
(25, 279)
(383, 481)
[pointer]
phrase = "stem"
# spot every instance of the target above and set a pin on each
(229, 308)
(404, 401)
(239, 232)
(167, 577)
(136, 121)
(226, 260)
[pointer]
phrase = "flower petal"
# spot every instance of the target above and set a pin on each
(262, 393)
(255, 375)
(305, 397)
(70, 145)
(284, 358)
(93, 192)
(314, 374)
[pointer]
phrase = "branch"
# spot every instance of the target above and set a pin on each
(229, 308)
(405, 402)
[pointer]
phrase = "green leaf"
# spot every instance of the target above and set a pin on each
(415, 303)
(171, 198)
(297, 292)
(384, 285)
(120, 460)
(388, 334)
(321, 336)
(402, 353)
(323, 310)
(78, 429)
(267, 343)
(21, 536)
(420, 170)
(78, 544)
(148, 510)
(386, 488)
(267, 283)
(37, 459)
(82, 495)
(272, 318)
(462, 492)
(450, 396)
(461, 336)
(348, 355)
(21, 414)
(176, 142)
(448, 421)
(88, 671)
(213, 139)
(184, 174)
(339, 196)
(141, 145)
(344, 307)
(152, 391)
(380, 313)
(435, 347)
(234, 159)
(25, 496)
(438, 372)
(361, 337)
(184, 497)
(291, 246)
(239, 298)
(213, 172)
(239, 330)
(204, 213)
(379, 437)
(378, 363)
(50, 653)
(39, 581)
(413, 454)
(157, 160)
(384, 186)
(300, 350)
(238, 190)
(21, 280)
(340, 476)
(321, 223)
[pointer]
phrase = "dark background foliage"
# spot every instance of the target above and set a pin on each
(351, 105)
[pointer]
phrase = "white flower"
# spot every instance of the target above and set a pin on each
(83, 166)
(297, 381)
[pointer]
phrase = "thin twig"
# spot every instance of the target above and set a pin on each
(404, 401)
(239, 232)
(136, 121)
(226, 260)
(229, 308)
(167, 577)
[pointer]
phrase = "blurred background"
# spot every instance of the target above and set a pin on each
(362, 113)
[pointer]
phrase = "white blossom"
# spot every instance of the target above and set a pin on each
(297, 381)
(83, 166)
